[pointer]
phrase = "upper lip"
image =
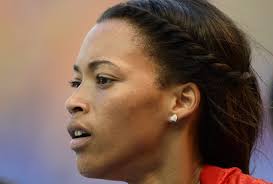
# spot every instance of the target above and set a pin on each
(73, 126)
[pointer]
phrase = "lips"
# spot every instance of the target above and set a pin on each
(79, 134)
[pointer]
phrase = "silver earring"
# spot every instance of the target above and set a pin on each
(173, 118)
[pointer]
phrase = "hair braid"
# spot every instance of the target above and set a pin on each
(191, 40)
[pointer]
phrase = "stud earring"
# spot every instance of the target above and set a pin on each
(173, 118)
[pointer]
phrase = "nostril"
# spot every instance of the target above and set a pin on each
(75, 110)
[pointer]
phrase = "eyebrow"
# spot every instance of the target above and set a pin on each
(95, 64)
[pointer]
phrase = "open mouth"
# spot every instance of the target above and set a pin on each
(80, 138)
(75, 134)
(80, 135)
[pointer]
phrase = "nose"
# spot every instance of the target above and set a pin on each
(75, 105)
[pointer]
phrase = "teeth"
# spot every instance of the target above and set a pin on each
(78, 133)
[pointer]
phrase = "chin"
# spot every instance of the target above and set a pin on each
(85, 173)
(96, 174)
(87, 169)
(91, 170)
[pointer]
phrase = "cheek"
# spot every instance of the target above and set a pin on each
(133, 115)
(128, 125)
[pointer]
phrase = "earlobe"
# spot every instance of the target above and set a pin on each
(187, 100)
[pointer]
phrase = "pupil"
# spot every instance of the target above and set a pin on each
(103, 80)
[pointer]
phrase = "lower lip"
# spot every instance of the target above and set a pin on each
(78, 143)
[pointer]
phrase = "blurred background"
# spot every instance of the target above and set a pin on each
(39, 42)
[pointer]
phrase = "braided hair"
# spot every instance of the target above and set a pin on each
(193, 41)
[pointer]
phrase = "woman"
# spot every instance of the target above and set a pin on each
(164, 94)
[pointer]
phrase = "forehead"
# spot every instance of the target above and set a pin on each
(112, 39)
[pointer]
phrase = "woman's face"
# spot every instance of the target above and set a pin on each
(117, 102)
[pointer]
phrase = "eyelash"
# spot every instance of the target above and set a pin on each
(74, 83)
(77, 83)
(105, 78)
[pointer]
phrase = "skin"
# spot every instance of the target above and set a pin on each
(132, 139)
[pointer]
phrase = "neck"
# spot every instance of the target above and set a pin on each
(179, 160)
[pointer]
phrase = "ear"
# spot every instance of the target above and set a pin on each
(186, 100)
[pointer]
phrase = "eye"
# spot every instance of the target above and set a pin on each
(103, 80)
(74, 83)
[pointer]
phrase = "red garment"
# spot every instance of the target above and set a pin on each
(217, 175)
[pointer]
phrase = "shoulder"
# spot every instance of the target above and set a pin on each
(216, 175)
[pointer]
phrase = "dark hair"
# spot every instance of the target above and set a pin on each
(193, 41)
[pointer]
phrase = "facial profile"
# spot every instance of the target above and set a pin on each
(117, 105)
(161, 92)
